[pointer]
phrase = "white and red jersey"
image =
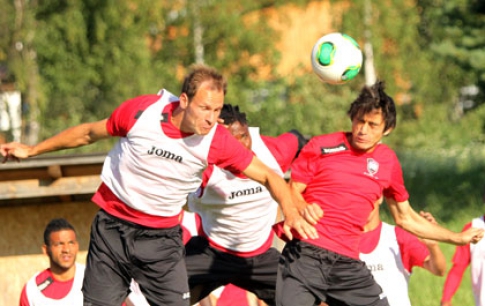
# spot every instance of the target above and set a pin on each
(151, 169)
(390, 253)
(345, 183)
(465, 255)
(44, 290)
(237, 213)
(477, 265)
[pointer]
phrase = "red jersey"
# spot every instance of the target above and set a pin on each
(346, 183)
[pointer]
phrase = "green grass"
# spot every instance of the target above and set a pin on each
(426, 289)
(449, 184)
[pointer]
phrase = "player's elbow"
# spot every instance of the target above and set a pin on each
(406, 222)
(400, 222)
(441, 272)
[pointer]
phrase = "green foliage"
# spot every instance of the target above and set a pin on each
(454, 33)
(6, 27)
(435, 130)
(93, 62)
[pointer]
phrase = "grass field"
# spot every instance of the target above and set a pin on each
(449, 184)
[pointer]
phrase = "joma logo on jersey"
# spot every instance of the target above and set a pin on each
(245, 192)
(376, 267)
(166, 154)
(341, 147)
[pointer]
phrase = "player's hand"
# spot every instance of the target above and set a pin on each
(428, 216)
(446, 304)
(14, 151)
(312, 213)
(472, 235)
(297, 223)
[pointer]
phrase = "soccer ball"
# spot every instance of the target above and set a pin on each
(336, 58)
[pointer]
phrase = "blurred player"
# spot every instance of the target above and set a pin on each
(390, 253)
(237, 215)
(472, 255)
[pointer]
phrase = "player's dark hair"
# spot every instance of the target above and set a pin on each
(231, 114)
(374, 98)
(199, 73)
(56, 225)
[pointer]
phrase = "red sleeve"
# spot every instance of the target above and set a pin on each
(24, 301)
(228, 153)
(283, 148)
(396, 189)
(125, 115)
(460, 260)
(413, 251)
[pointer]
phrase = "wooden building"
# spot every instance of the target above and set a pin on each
(32, 192)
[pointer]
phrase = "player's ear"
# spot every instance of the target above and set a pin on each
(184, 100)
(388, 131)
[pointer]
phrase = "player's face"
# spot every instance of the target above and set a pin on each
(241, 133)
(367, 131)
(62, 250)
(202, 112)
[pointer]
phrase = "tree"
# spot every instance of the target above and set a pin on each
(455, 32)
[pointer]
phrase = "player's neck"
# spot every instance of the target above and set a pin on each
(177, 117)
(63, 275)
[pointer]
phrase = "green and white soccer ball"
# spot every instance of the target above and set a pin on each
(336, 58)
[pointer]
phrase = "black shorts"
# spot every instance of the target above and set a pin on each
(308, 275)
(120, 250)
(208, 269)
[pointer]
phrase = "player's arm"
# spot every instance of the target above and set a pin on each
(280, 191)
(311, 212)
(73, 137)
(452, 282)
(408, 219)
(461, 261)
(435, 262)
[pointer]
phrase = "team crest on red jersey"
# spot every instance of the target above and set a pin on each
(372, 167)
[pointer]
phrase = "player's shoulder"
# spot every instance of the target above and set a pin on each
(221, 131)
(42, 277)
(328, 139)
(137, 104)
(328, 143)
(148, 98)
(383, 148)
